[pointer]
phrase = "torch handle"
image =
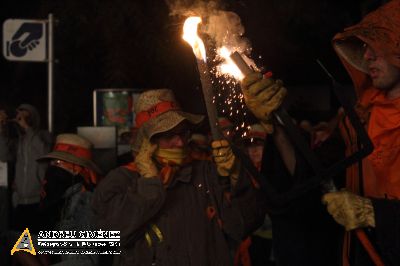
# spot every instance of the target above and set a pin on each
(241, 64)
(208, 94)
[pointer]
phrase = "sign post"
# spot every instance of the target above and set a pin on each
(50, 67)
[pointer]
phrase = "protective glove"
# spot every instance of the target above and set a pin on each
(350, 210)
(262, 97)
(223, 157)
(144, 161)
(227, 164)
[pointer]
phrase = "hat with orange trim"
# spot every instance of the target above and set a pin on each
(74, 149)
(256, 131)
(158, 111)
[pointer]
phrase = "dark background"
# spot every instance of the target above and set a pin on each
(137, 44)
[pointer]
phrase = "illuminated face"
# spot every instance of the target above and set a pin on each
(384, 75)
(176, 138)
(255, 152)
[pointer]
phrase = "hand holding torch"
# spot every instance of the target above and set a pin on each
(327, 184)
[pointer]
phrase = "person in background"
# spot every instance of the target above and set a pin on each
(7, 144)
(226, 127)
(301, 223)
(129, 156)
(32, 143)
(261, 240)
(68, 186)
(253, 144)
(199, 146)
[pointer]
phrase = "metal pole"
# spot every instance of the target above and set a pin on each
(50, 66)
(208, 93)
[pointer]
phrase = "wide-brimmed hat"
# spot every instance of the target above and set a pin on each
(74, 149)
(158, 111)
(224, 123)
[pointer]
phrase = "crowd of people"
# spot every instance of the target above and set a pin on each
(187, 199)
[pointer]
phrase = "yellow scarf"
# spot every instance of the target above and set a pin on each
(171, 160)
(173, 157)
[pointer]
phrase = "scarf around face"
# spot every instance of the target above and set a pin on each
(170, 160)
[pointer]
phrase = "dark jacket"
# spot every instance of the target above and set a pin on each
(175, 226)
(304, 234)
(387, 229)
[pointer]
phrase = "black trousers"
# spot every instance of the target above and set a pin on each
(26, 216)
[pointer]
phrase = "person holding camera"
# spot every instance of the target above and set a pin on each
(31, 144)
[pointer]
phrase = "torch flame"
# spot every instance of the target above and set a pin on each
(191, 37)
(228, 66)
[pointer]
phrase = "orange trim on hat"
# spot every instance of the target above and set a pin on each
(75, 150)
(155, 111)
(224, 123)
(261, 135)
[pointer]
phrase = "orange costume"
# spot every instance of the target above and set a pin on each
(381, 170)
(378, 175)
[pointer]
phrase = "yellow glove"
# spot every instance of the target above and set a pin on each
(226, 162)
(144, 161)
(263, 96)
(350, 210)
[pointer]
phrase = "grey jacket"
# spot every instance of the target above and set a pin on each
(30, 146)
(174, 226)
(29, 172)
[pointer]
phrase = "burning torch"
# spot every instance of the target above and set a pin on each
(191, 37)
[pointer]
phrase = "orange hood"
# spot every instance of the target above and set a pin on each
(381, 31)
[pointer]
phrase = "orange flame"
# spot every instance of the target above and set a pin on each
(191, 37)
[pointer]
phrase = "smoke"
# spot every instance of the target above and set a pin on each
(223, 27)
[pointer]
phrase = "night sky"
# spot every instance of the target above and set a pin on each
(137, 44)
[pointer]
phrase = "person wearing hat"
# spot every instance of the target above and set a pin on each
(31, 144)
(255, 250)
(70, 164)
(66, 195)
(299, 225)
(253, 143)
(172, 209)
(226, 127)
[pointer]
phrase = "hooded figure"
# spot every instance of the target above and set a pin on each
(32, 143)
(380, 31)
(170, 208)
(370, 51)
